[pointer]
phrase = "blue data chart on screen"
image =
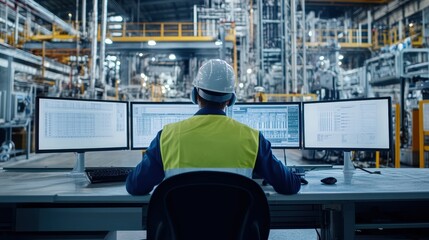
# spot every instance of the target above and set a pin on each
(278, 122)
(147, 119)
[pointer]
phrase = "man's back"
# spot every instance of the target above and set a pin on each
(209, 142)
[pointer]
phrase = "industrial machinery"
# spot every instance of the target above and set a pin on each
(402, 75)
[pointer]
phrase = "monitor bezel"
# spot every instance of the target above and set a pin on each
(78, 150)
(148, 103)
(278, 103)
(350, 149)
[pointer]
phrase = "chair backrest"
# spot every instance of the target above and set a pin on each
(208, 205)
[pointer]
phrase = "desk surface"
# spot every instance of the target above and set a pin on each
(61, 187)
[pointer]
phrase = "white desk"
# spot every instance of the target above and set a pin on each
(55, 201)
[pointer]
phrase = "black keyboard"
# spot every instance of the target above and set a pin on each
(108, 174)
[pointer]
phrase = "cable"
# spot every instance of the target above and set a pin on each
(374, 172)
(318, 234)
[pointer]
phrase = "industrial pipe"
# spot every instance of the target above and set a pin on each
(50, 17)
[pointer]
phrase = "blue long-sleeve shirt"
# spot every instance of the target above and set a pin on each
(150, 171)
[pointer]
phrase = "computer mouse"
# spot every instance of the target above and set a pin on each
(303, 181)
(264, 182)
(329, 180)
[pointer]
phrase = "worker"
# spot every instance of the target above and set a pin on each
(210, 140)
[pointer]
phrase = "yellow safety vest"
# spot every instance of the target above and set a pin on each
(209, 142)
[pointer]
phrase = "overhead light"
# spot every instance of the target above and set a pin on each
(151, 43)
(108, 41)
(172, 57)
(115, 26)
(111, 58)
(310, 33)
(140, 54)
(153, 59)
(218, 42)
(339, 63)
(241, 85)
(321, 58)
(115, 19)
(411, 25)
(249, 71)
(340, 57)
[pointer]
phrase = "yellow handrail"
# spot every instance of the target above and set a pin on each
(422, 133)
(185, 31)
(397, 136)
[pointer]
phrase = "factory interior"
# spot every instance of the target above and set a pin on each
(282, 51)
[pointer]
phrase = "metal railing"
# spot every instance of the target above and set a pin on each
(387, 37)
(159, 31)
(189, 31)
(348, 38)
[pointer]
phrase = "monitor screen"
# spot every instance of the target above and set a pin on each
(280, 123)
(353, 124)
(80, 125)
(147, 119)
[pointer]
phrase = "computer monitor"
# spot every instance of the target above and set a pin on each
(352, 124)
(279, 122)
(147, 119)
(80, 125)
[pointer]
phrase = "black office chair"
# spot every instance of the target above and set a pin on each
(208, 205)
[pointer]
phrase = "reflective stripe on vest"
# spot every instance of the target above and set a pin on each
(209, 142)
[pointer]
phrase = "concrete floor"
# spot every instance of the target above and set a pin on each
(293, 234)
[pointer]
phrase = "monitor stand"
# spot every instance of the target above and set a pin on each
(348, 168)
(284, 156)
(79, 168)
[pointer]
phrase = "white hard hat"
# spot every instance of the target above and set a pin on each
(216, 75)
